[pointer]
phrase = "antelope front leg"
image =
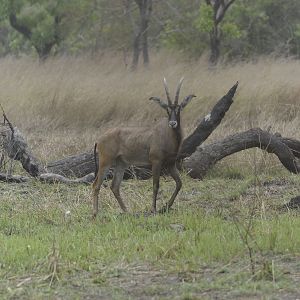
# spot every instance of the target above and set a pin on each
(175, 175)
(156, 169)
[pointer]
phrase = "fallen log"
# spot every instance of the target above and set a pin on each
(16, 148)
(294, 203)
(13, 178)
(205, 157)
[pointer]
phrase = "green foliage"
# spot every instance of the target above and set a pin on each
(39, 19)
(231, 30)
(204, 22)
(249, 27)
(188, 32)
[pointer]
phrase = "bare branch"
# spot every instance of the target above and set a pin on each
(8, 122)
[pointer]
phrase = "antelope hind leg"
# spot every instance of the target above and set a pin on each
(116, 182)
(96, 187)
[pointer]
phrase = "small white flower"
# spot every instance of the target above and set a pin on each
(67, 213)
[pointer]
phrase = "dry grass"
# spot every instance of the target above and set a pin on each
(75, 99)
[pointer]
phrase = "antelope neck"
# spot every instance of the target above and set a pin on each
(178, 134)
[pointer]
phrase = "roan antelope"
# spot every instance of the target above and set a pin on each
(156, 147)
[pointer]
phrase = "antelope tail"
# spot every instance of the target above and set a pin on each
(95, 158)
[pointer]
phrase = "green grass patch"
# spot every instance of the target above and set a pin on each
(47, 235)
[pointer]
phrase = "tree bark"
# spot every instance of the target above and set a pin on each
(207, 156)
(214, 45)
(219, 9)
(207, 125)
(140, 41)
(145, 27)
(136, 51)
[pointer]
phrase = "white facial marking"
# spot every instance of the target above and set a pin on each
(207, 117)
(173, 124)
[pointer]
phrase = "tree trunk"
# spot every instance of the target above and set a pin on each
(145, 47)
(146, 14)
(214, 45)
(140, 41)
(207, 125)
(219, 9)
(136, 51)
(44, 51)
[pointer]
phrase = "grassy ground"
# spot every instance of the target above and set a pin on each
(229, 236)
(51, 248)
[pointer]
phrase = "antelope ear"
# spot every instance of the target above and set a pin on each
(186, 101)
(159, 102)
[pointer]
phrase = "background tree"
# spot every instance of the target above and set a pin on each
(224, 28)
(219, 8)
(140, 41)
(39, 24)
(45, 24)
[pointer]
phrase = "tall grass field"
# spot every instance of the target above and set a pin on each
(229, 236)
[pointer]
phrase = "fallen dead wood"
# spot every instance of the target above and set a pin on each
(294, 203)
(55, 178)
(205, 157)
(207, 125)
(13, 178)
(16, 148)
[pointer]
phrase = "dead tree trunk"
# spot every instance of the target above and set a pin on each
(207, 125)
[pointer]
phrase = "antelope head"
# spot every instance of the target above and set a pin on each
(173, 109)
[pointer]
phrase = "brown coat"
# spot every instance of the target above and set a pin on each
(139, 146)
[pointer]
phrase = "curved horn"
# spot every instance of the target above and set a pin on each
(178, 91)
(167, 91)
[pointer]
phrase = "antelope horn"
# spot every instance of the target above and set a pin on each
(178, 91)
(167, 91)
